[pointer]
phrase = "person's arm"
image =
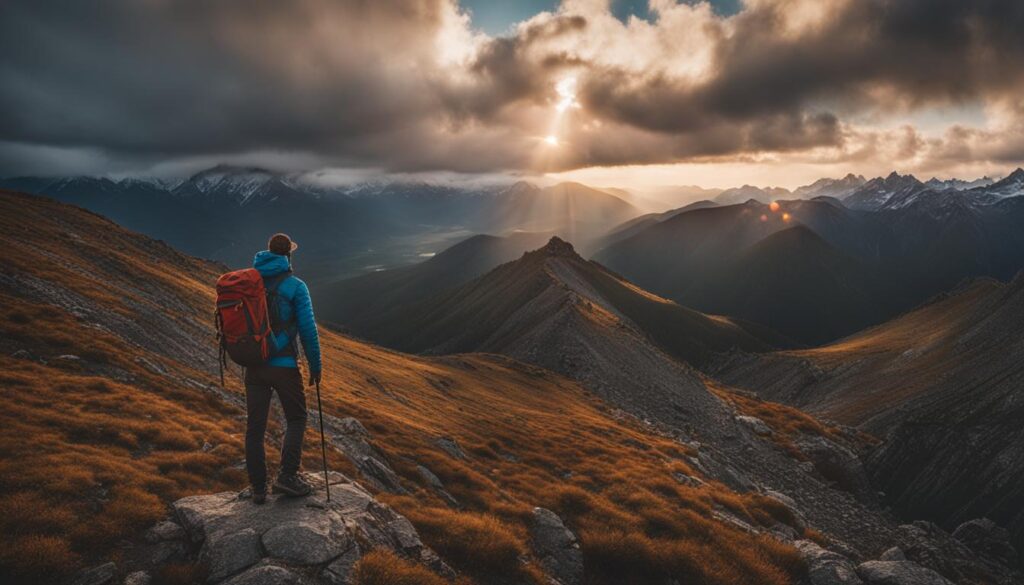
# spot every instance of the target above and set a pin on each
(307, 329)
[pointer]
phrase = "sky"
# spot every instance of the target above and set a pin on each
(623, 93)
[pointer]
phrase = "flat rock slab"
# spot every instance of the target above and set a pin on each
(244, 543)
(305, 543)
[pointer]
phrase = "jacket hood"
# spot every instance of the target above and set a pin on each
(270, 264)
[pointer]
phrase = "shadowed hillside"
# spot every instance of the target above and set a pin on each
(108, 356)
(355, 301)
(942, 383)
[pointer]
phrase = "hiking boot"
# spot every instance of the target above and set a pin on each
(292, 485)
(259, 496)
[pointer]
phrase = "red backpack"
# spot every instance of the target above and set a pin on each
(244, 327)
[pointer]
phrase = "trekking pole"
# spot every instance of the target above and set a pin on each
(323, 441)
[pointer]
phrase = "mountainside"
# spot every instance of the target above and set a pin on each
(944, 384)
(795, 282)
(903, 256)
(515, 308)
(114, 411)
(353, 302)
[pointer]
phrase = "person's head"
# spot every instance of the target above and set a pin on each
(281, 245)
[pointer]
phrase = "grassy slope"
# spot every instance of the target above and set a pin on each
(93, 449)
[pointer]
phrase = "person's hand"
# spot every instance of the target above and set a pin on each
(314, 378)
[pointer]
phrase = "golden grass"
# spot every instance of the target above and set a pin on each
(381, 567)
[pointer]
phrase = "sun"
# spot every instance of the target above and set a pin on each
(551, 139)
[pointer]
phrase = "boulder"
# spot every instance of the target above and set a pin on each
(825, 567)
(305, 543)
(838, 464)
(899, 573)
(451, 447)
(138, 578)
(265, 575)
(758, 426)
(790, 504)
(988, 539)
(556, 547)
(339, 572)
(164, 531)
(228, 553)
(893, 554)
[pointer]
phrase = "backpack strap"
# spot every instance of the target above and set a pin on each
(276, 324)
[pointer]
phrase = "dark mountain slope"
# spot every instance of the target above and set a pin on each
(944, 384)
(505, 307)
(356, 301)
(905, 255)
(794, 282)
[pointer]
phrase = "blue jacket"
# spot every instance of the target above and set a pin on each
(292, 299)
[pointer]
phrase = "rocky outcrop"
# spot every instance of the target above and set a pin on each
(825, 567)
(929, 545)
(838, 464)
(556, 547)
(304, 541)
(352, 439)
(988, 539)
(899, 573)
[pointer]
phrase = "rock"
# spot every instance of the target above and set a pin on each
(825, 567)
(69, 358)
(928, 545)
(838, 464)
(899, 573)
(305, 543)
(339, 572)
(790, 504)
(725, 473)
(164, 531)
(138, 578)
(380, 474)
(435, 482)
(893, 554)
(227, 554)
(755, 424)
(451, 447)
(988, 539)
(556, 547)
(297, 531)
(99, 575)
(22, 354)
(265, 575)
(687, 480)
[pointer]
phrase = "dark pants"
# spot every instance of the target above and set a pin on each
(260, 383)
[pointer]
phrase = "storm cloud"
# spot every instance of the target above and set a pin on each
(409, 85)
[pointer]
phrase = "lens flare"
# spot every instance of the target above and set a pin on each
(774, 206)
(786, 217)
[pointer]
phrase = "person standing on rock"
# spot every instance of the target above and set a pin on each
(289, 302)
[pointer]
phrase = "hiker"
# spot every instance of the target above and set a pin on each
(290, 305)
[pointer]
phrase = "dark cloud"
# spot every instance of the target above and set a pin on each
(405, 84)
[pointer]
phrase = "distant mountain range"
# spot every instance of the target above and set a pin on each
(226, 213)
(888, 245)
